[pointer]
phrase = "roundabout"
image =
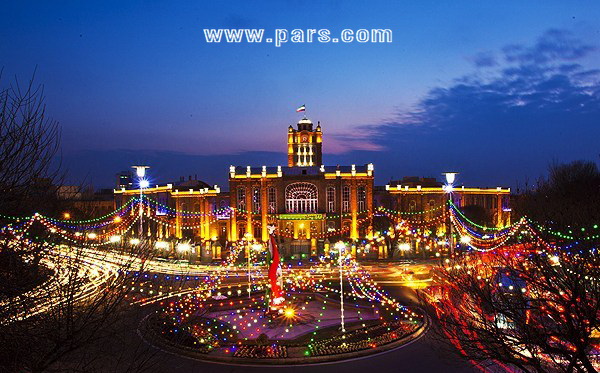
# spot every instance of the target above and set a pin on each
(314, 323)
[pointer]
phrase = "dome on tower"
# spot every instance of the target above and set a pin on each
(305, 124)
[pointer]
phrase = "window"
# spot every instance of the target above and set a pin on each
(330, 199)
(362, 198)
(301, 198)
(272, 200)
(505, 203)
(256, 199)
(412, 206)
(345, 199)
(430, 213)
(161, 208)
(241, 198)
(330, 226)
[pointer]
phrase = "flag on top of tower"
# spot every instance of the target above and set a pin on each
(301, 109)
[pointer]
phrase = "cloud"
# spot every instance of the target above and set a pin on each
(553, 45)
(540, 104)
(484, 59)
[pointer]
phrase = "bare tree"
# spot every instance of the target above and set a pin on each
(523, 307)
(29, 141)
(75, 307)
(569, 198)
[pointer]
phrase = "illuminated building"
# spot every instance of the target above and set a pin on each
(422, 205)
(309, 202)
(412, 195)
(187, 210)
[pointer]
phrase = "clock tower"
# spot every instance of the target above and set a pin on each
(305, 144)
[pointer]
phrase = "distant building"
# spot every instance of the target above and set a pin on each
(94, 203)
(68, 192)
(124, 180)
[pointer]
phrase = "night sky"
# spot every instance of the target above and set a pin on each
(496, 90)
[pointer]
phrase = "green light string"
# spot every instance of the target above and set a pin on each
(17, 218)
(398, 212)
(564, 235)
(337, 216)
(94, 219)
(215, 212)
(475, 224)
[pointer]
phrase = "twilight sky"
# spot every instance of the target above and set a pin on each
(495, 90)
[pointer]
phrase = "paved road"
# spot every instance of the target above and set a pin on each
(423, 355)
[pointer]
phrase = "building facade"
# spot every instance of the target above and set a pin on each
(308, 202)
(311, 205)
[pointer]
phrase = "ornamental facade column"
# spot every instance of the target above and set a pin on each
(233, 232)
(249, 206)
(200, 221)
(178, 218)
(353, 211)
(207, 218)
(264, 207)
(369, 188)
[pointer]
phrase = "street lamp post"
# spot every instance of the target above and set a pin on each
(450, 178)
(247, 236)
(143, 183)
(340, 246)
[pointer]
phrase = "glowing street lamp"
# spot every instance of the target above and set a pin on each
(289, 313)
(341, 247)
(404, 246)
(183, 247)
(140, 171)
(161, 245)
(450, 178)
(115, 239)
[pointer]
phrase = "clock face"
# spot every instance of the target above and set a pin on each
(304, 138)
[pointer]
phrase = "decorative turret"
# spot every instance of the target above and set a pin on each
(305, 144)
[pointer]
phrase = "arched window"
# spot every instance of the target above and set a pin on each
(412, 206)
(330, 226)
(330, 199)
(301, 198)
(362, 198)
(346, 199)
(272, 200)
(241, 198)
(430, 213)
